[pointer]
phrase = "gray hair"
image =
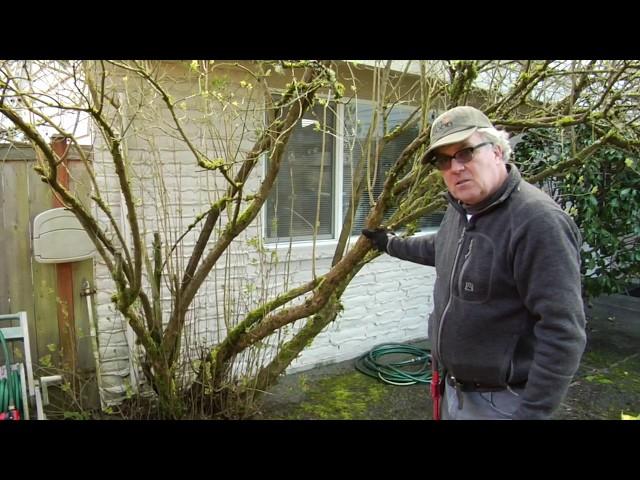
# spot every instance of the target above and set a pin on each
(498, 137)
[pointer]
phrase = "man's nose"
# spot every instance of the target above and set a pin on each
(456, 165)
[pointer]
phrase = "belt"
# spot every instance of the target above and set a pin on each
(473, 386)
(478, 387)
(461, 386)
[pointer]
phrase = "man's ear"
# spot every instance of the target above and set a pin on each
(498, 150)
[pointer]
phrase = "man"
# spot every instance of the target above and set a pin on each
(508, 325)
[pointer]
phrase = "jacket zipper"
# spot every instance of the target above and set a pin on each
(444, 312)
(465, 264)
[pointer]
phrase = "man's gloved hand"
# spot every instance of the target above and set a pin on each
(379, 237)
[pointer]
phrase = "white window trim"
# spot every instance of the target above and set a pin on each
(338, 173)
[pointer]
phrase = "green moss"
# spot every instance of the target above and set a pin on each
(564, 121)
(610, 369)
(343, 397)
(606, 384)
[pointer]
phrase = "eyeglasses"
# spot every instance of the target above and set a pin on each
(465, 155)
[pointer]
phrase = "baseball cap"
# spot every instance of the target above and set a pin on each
(453, 126)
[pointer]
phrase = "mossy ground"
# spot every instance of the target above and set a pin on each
(606, 385)
(344, 395)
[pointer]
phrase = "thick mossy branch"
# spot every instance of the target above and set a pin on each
(313, 326)
(216, 360)
(463, 74)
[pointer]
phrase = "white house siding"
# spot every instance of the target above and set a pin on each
(388, 301)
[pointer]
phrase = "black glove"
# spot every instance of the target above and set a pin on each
(379, 237)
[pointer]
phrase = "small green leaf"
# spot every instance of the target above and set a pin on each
(624, 416)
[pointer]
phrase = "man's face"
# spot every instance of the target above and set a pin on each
(474, 181)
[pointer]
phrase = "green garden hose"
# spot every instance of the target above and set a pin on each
(10, 388)
(413, 365)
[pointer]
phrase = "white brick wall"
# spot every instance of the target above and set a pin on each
(388, 301)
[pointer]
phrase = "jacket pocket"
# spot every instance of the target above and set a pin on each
(475, 274)
(506, 370)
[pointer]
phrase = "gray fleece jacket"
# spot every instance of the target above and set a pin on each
(507, 299)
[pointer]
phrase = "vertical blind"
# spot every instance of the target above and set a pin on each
(303, 192)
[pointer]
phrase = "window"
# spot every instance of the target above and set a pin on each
(357, 121)
(309, 173)
(304, 180)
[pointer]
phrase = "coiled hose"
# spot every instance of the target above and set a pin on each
(414, 365)
(10, 388)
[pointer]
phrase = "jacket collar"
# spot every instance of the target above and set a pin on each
(511, 182)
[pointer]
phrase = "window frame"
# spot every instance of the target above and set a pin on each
(338, 191)
(336, 178)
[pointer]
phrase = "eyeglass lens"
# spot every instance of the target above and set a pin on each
(465, 155)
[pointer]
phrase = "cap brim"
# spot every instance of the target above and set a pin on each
(448, 140)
